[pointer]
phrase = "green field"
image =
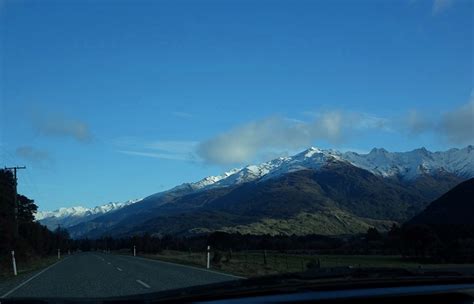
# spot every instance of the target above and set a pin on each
(250, 264)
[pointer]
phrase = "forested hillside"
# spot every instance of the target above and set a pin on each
(451, 215)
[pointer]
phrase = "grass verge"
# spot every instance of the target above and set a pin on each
(24, 266)
(251, 264)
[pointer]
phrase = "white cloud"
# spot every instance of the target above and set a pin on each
(275, 136)
(56, 125)
(244, 143)
(33, 155)
(365, 121)
(180, 114)
(172, 146)
(440, 6)
(156, 155)
(417, 123)
(173, 150)
(457, 126)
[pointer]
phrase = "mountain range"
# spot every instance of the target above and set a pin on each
(67, 217)
(315, 191)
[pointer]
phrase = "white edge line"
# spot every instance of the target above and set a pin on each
(188, 266)
(143, 283)
(119, 269)
(31, 278)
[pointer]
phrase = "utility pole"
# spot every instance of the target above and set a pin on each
(16, 195)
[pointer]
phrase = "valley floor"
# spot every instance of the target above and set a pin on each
(254, 263)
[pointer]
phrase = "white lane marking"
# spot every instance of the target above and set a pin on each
(187, 266)
(143, 283)
(119, 269)
(36, 275)
(100, 258)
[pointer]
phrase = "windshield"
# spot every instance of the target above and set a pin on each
(150, 146)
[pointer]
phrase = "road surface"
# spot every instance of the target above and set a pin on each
(94, 274)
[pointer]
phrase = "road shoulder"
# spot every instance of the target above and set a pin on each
(10, 284)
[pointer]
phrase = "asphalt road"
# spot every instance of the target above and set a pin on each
(106, 275)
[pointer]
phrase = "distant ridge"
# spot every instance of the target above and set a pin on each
(70, 216)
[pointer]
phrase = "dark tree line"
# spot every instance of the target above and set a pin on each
(424, 243)
(217, 240)
(416, 242)
(33, 239)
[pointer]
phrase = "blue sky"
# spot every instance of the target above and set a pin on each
(114, 100)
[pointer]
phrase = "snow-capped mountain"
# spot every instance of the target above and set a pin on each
(212, 180)
(70, 216)
(383, 164)
(395, 202)
(411, 164)
(406, 165)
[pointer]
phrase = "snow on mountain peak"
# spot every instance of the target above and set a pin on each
(80, 211)
(311, 151)
(211, 180)
(410, 164)
(379, 161)
(310, 158)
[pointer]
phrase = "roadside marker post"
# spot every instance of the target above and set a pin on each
(14, 263)
(208, 257)
(59, 253)
(134, 250)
